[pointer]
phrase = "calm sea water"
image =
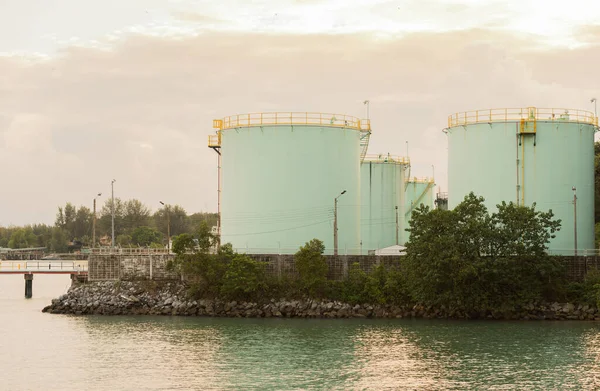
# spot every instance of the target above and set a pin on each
(57, 352)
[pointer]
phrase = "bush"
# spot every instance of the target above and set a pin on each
(395, 289)
(312, 268)
(244, 279)
(587, 291)
(361, 288)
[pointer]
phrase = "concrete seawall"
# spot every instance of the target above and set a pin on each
(104, 267)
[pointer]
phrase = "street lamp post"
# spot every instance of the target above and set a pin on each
(94, 223)
(575, 219)
(397, 227)
(112, 210)
(335, 225)
(168, 226)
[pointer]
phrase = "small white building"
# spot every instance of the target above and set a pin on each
(389, 251)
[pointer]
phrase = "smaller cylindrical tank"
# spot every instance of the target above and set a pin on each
(418, 191)
(382, 179)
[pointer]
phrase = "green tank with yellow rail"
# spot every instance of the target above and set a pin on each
(528, 155)
(279, 174)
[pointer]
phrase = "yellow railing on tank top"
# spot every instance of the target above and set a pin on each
(420, 180)
(523, 113)
(387, 159)
(293, 118)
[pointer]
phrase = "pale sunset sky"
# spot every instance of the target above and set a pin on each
(95, 90)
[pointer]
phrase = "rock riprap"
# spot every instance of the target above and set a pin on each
(170, 298)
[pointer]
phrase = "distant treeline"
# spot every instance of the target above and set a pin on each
(135, 225)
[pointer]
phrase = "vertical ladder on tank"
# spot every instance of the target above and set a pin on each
(364, 126)
(527, 127)
(364, 144)
(214, 142)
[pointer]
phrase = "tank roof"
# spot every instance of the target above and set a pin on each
(293, 118)
(522, 114)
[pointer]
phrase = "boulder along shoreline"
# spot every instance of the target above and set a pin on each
(170, 298)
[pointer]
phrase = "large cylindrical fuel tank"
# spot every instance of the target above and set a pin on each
(528, 155)
(280, 174)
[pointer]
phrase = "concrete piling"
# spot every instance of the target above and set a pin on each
(28, 285)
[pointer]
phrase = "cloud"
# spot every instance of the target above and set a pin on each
(195, 17)
(141, 111)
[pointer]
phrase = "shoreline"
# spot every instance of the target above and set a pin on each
(170, 299)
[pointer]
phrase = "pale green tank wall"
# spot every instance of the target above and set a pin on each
(486, 159)
(416, 193)
(382, 189)
(279, 183)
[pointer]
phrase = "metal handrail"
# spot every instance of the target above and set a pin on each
(43, 266)
(292, 118)
(523, 113)
(214, 140)
(420, 180)
(387, 159)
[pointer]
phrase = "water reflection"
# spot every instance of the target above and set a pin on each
(392, 358)
(157, 353)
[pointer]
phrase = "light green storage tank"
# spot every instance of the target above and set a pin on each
(279, 176)
(419, 191)
(382, 199)
(527, 155)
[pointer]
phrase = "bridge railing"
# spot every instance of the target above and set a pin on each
(43, 266)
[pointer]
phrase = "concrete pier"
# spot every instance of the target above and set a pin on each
(28, 285)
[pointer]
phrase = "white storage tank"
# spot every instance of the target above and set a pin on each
(279, 176)
(382, 198)
(528, 155)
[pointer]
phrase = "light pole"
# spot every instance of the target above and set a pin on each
(397, 242)
(335, 225)
(593, 100)
(575, 218)
(94, 223)
(112, 209)
(168, 226)
(367, 103)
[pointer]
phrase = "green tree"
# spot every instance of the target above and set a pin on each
(312, 268)
(466, 259)
(104, 223)
(135, 215)
(210, 219)
(58, 243)
(22, 238)
(124, 240)
(195, 259)
(145, 236)
(82, 224)
(177, 216)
